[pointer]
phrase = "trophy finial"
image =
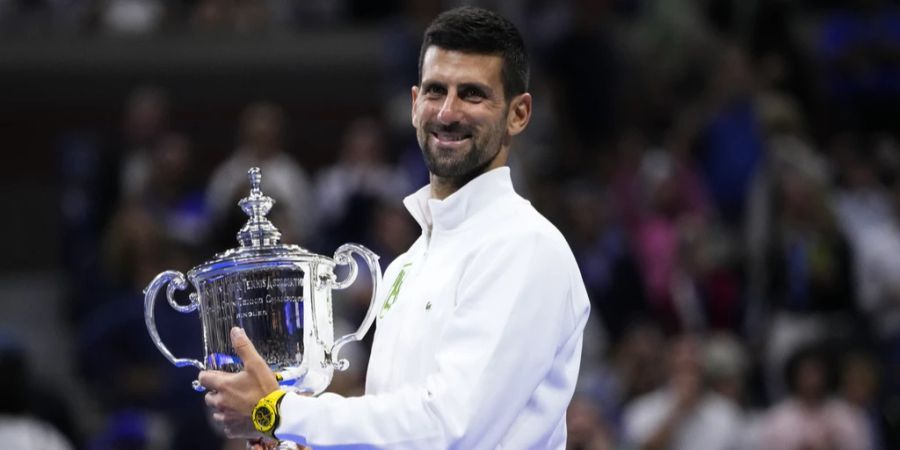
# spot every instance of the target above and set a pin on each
(258, 230)
(255, 176)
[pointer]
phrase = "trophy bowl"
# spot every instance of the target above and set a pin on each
(279, 294)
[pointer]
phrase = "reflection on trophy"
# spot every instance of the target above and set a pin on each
(279, 294)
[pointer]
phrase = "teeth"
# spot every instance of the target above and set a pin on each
(449, 137)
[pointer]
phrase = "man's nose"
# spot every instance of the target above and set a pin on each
(450, 110)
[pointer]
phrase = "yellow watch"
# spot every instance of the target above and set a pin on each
(265, 414)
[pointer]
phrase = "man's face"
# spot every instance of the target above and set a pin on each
(460, 113)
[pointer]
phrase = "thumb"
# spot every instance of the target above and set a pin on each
(246, 351)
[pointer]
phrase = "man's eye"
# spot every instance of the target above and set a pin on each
(434, 90)
(472, 94)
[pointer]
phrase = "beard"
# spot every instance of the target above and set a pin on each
(465, 163)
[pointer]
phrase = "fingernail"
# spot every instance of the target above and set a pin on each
(237, 332)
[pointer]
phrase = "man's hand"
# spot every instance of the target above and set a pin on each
(232, 396)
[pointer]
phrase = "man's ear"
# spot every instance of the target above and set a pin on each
(415, 95)
(519, 114)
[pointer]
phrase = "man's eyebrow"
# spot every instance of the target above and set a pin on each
(431, 83)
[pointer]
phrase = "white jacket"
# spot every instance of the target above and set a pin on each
(479, 335)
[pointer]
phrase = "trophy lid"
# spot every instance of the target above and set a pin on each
(258, 230)
(259, 240)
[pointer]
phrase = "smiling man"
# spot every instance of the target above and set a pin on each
(463, 116)
(480, 329)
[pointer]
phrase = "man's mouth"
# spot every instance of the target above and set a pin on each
(449, 138)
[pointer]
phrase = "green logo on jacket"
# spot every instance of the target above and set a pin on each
(395, 291)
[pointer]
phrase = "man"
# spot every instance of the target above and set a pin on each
(480, 328)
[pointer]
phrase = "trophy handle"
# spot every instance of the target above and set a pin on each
(176, 281)
(343, 257)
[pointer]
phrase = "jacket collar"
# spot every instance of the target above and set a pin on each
(473, 197)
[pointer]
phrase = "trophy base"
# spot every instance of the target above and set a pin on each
(273, 444)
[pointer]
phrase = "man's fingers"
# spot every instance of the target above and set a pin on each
(245, 350)
(211, 380)
(213, 400)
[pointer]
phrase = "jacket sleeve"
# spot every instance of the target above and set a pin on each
(514, 319)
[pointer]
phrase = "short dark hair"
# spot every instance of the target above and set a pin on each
(470, 29)
(815, 353)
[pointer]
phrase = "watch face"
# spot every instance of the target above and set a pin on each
(263, 418)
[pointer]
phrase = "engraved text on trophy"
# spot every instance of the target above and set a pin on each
(267, 304)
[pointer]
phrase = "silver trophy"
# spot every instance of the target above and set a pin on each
(279, 294)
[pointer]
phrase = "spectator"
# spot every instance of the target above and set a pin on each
(726, 363)
(684, 413)
(159, 227)
(391, 231)
(133, 16)
(19, 428)
(786, 138)
(613, 381)
(810, 419)
(583, 65)
(349, 191)
(860, 386)
(866, 211)
(166, 218)
(601, 246)
(586, 427)
(731, 142)
(260, 145)
(783, 63)
(686, 281)
(727, 366)
(236, 16)
(809, 269)
(859, 44)
(146, 120)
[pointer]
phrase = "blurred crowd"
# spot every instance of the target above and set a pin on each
(727, 174)
(148, 17)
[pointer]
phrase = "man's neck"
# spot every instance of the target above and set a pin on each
(443, 187)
